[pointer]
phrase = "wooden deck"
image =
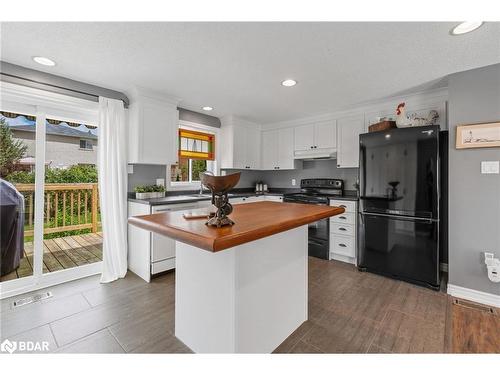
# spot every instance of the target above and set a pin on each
(61, 253)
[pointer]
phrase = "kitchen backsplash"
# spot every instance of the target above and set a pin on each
(145, 174)
(310, 169)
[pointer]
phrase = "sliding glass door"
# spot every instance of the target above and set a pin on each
(49, 192)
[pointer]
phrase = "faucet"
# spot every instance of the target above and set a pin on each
(201, 183)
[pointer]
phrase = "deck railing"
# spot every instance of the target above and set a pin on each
(67, 207)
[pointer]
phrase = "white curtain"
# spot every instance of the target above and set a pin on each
(112, 164)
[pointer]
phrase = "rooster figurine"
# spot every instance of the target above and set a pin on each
(403, 120)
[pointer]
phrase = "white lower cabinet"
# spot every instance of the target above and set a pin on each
(343, 232)
(150, 253)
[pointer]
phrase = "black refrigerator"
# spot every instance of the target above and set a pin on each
(399, 211)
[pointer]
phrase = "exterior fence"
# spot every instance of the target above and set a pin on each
(67, 207)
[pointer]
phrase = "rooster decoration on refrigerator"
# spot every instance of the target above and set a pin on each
(404, 120)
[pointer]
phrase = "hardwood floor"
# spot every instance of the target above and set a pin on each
(349, 312)
(60, 253)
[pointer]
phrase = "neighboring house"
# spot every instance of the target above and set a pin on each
(65, 146)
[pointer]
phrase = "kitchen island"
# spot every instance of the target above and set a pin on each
(240, 288)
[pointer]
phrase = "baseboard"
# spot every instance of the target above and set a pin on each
(474, 295)
(342, 258)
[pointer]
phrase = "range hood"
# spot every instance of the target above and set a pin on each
(316, 154)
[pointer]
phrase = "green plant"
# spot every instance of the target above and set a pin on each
(149, 188)
(11, 150)
(73, 174)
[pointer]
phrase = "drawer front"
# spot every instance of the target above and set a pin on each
(342, 229)
(343, 245)
(345, 218)
(162, 266)
(348, 206)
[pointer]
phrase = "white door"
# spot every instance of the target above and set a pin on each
(270, 145)
(325, 134)
(348, 131)
(55, 225)
(285, 148)
(304, 137)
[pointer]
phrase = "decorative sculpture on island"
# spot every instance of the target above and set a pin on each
(220, 186)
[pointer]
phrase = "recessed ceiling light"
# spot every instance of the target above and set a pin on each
(288, 83)
(207, 108)
(466, 27)
(44, 61)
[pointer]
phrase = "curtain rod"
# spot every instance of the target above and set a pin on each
(36, 79)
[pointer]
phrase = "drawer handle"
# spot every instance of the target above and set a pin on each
(342, 217)
(341, 228)
(343, 206)
(342, 245)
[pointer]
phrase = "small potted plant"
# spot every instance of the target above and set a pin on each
(149, 191)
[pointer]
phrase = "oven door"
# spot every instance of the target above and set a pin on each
(319, 236)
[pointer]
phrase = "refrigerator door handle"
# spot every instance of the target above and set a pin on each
(401, 217)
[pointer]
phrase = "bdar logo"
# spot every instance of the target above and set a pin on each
(8, 346)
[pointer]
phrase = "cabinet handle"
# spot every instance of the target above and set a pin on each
(342, 217)
(341, 228)
(342, 245)
(343, 206)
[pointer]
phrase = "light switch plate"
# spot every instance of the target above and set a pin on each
(130, 168)
(490, 167)
(294, 182)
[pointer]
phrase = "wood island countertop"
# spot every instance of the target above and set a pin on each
(252, 221)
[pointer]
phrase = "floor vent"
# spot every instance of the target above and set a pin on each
(472, 305)
(31, 299)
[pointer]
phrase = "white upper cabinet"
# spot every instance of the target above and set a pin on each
(325, 134)
(285, 149)
(304, 137)
(320, 135)
(277, 149)
(153, 127)
(270, 156)
(239, 144)
(348, 131)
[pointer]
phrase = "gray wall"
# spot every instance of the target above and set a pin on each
(145, 174)
(474, 198)
(310, 169)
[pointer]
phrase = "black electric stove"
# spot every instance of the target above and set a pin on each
(318, 191)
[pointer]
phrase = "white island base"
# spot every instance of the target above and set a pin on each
(245, 299)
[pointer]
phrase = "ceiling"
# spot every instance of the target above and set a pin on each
(237, 67)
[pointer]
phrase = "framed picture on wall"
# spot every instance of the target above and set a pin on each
(478, 135)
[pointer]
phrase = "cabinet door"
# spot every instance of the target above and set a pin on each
(348, 131)
(239, 147)
(325, 134)
(252, 143)
(285, 149)
(270, 145)
(304, 137)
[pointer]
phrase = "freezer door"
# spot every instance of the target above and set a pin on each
(404, 248)
(398, 172)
